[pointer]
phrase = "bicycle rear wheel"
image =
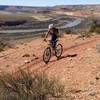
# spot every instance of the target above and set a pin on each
(58, 51)
(47, 55)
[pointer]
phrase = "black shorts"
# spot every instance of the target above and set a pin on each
(53, 43)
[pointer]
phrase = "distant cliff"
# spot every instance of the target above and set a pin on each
(50, 9)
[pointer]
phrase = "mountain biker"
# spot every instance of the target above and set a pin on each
(54, 35)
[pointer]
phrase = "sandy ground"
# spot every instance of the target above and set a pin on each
(79, 73)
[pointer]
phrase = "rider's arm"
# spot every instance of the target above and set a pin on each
(46, 35)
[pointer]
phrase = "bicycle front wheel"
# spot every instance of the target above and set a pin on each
(47, 55)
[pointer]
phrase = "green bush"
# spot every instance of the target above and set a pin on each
(29, 87)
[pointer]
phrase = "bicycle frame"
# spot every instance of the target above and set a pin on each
(52, 51)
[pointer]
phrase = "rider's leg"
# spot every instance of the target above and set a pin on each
(54, 46)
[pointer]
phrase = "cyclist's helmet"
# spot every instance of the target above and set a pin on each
(51, 26)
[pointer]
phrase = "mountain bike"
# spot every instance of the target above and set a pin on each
(57, 51)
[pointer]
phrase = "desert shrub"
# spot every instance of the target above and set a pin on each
(95, 29)
(92, 28)
(95, 26)
(84, 33)
(2, 46)
(98, 47)
(29, 87)
(69, 31)
(43, 35)
(87, 34)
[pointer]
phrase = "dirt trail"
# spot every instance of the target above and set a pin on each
(75, 49)
(14, 59)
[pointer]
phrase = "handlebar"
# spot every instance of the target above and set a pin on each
(45, 40)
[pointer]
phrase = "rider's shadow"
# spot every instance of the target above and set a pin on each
(73, 55)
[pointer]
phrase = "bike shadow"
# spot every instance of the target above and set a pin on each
(65, 56)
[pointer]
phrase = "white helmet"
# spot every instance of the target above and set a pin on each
(51, 26)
